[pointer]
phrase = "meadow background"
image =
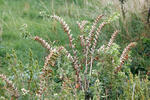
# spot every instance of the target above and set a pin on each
(14, 14)
(31, 17)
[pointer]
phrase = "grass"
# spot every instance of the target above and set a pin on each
(14, 14)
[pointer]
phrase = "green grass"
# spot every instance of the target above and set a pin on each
(16, 13)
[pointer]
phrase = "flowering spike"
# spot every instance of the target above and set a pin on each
(67, 30)
(50, 59)
(65, 27)
(112, 39)
(124, 55)
(90, 37)
(42, 42)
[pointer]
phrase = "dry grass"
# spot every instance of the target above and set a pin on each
(131, 6)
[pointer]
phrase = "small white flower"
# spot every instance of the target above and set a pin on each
(40, 13)
(24, 91)
(54, 50)
(55, 94)
(97, 81)
(2, 98)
